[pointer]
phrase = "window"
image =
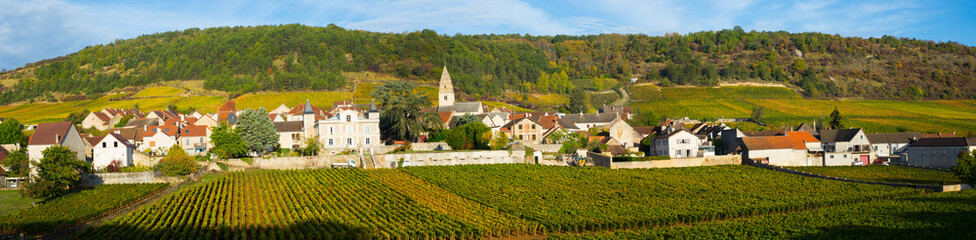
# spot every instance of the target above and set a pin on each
(367, 141)
(348, 118)
(520, 127)
(152, 143)
(187, 141)
(349, 141)
(295, 146)
(331, 142)
(296, 137)
(104, 145)
(350, 129)
(445, 97)
(533, 127)
(331, 131)
(116, 144)
(366, 129)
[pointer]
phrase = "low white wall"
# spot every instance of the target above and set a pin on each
(449, 158)
(125, 178)
(300, 162)
(548, 148)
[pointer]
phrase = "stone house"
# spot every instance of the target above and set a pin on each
(290, 134)
(524, 130)
(110, 148)
(195, 139)
(349, 128)
(100, 121)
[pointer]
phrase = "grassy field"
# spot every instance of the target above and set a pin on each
(12, 202)
(783, 107)
(158, 92)
(599, 99)
(931, 216)
(578, 199)
(879, 173)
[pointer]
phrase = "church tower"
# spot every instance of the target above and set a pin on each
(445, 92)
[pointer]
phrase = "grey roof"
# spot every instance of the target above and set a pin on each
(590, 117)
(289, 126)
(893, 137)
(467, 107)
(806, 128)
(142, 122)
(308, 108)
(838, 135)
(943, 142)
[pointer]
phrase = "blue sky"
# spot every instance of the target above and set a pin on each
(41, 29)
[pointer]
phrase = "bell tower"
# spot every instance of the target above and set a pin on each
(445, 90)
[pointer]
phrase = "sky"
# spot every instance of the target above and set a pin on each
(31, 31)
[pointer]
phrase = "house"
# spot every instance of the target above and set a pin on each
(811, 143)
(775, 150)
(207, 120)
(55, 134)
(281, 109)
(100, 121)
(677, 144)
(290, 134)
(227, 113)
(134, 135)
(845, 147)
(159, 139)
(524, 130)
(276, 117)
(807, 128)
(347, 128)
(623, 133)
(195, 139)
(891, 144)
(110, 148)
(585, 121)
(938, 152)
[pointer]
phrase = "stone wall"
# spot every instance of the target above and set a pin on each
(142, 159)
(547, 148)
(125, 178)
(300, 162)
(681, 162)
(442, 158)
(430, 146)
(599, 159)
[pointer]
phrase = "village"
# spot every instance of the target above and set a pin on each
(345, 128)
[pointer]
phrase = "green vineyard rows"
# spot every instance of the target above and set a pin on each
(75, 208)
(879, 173)
(931, 216)
(582, 199)
(310, 204)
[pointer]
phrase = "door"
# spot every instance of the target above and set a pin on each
(866, 159)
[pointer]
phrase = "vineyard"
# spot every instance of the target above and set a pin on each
(930, 216)
(75, 208)
(879, 173)
(581, 199)
(308, 204)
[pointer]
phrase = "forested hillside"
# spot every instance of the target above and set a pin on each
(296, 57)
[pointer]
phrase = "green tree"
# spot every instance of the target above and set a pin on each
(644, 118)
(836, 120)
(176, 163)
(476, 135)
(124, 121)
(965, 168)
(455, 138)
(312, 146)
(578, 101)
(12, 132)
(757, 113)
(465, 119)
(227, 143)
(58, 171)
(257, 131)
(77, 117)
(18, 163)
(402, 118)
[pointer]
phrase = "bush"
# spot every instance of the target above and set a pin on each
(115, 166)
(176, 163)
(455, 138)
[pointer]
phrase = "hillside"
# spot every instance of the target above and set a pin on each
(242, 60)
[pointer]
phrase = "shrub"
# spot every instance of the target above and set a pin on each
(176, 163)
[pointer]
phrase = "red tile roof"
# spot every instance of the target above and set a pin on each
(194, 131)
(445, 116)
(48, 133)
(802, 136)
(772, 142)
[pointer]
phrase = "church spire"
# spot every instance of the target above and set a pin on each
(445, 90)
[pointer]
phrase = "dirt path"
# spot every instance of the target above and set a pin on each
(624, 98)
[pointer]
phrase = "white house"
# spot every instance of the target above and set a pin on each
(350, 128)
(195, 139)
(55, 134)
(844, 147)
(290, 134)
(775, 150)
(157, 141)
(890, 144)
(677, 144)
(112, 147)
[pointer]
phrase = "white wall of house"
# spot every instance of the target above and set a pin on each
(348, 130)
(159, 142)
(780, 157)
(887, 149)
(680, 145)
(190, 144)
(289, 140)
(111, 149)
(92, 121)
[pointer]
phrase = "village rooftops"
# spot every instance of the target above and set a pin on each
(772, 142)
(944, 142)
(194, 131)
(893, 137)
(50, 133)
